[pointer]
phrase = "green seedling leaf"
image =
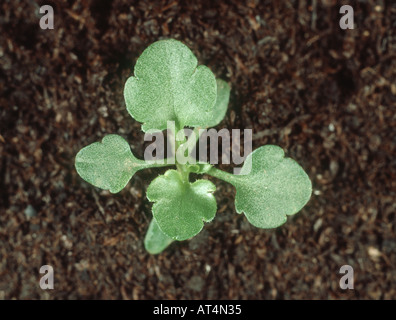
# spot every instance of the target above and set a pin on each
(272, 188)
(168, 86)
(181, 207)
(155, 240)
(269, 187)
(109, 164)
(221, 105)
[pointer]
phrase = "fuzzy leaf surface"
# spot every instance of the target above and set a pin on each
(181, 208)
(109, 164)
(168, 86)
(270, 187)
(221, 105)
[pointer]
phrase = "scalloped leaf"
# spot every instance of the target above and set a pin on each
(155, 240)
(180, 207)
(270, 187)
(221, 105)
(109, 164)
(168, 86)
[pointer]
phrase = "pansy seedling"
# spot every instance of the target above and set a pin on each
(169, 86)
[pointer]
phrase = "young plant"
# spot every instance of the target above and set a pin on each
(169, 86)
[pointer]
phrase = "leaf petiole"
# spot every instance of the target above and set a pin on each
(222, 175)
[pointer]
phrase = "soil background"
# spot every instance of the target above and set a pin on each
(325, 95)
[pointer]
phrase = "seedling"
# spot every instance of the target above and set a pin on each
(169, 86)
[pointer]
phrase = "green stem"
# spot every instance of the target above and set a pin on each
(182, 169)
(184, 172)
(220, 174)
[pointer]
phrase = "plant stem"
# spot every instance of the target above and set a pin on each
(146, 164)
(223, 175)
(184, 172)
(183, 169)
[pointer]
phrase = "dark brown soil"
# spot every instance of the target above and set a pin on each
(326, 95)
